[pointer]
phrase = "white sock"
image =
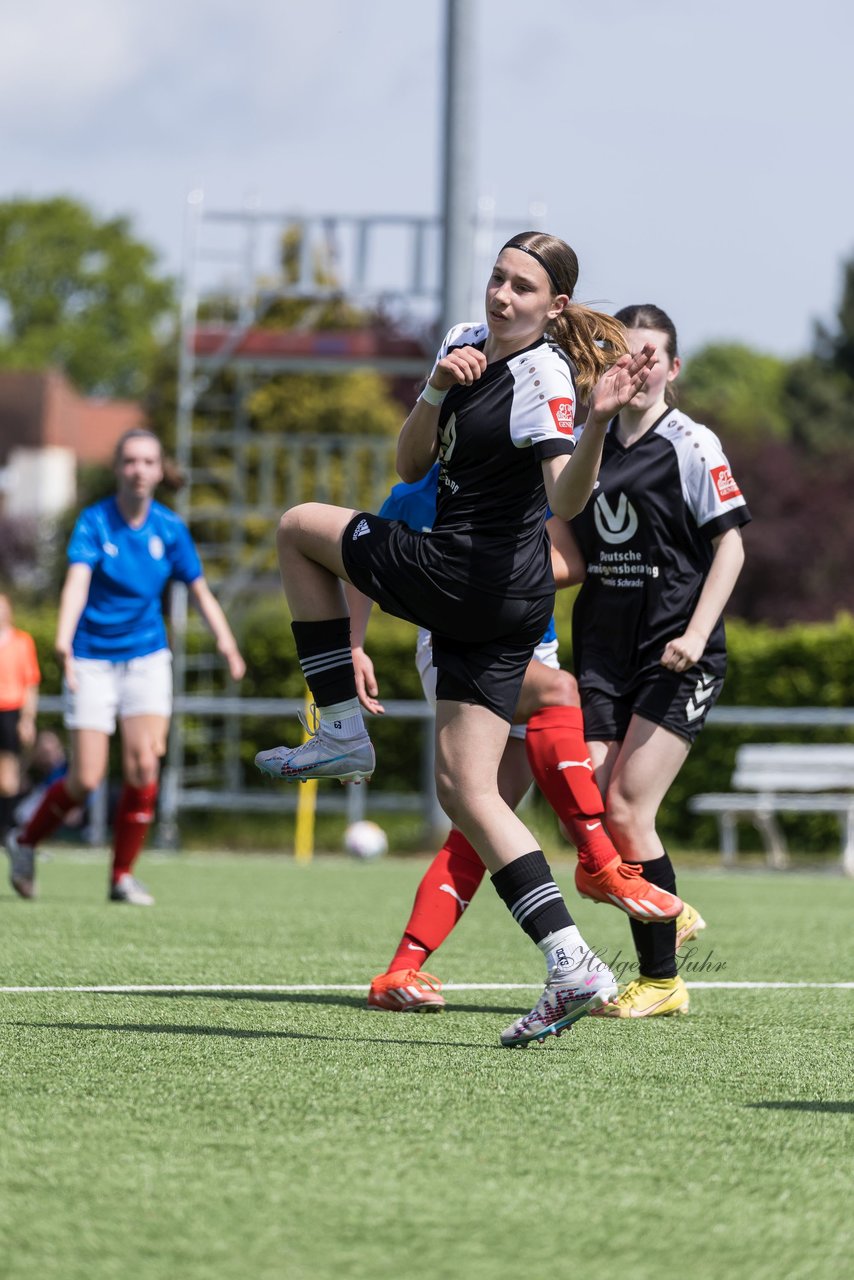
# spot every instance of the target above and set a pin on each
(564, 949)
(343, 719)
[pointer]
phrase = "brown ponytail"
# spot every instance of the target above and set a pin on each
(592, 339)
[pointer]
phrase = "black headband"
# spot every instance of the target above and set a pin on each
(523, 248)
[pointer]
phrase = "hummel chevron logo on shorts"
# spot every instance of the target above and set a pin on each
(361, 528)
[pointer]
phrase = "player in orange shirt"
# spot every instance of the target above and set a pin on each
(20, 678)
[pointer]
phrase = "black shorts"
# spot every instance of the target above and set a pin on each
(482, 643)
(677, 701)
(10, 743)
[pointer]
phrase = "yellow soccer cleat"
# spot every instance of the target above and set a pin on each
(688, 924)
(648, 998)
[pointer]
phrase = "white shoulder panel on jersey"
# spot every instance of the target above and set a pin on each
(469, 334)
(708, 486)
(543, 397)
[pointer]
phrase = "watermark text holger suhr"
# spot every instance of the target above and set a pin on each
(690, 962)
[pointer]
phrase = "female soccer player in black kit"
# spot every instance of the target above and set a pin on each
(662, 543)
(497, 411)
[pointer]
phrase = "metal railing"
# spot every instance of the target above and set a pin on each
(177, 798)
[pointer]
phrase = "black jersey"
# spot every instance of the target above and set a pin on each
(646, 535)
(489, 528)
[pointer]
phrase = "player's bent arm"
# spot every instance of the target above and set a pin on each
(568, 564)
(367, 688)
(27, 716)
(217, 623)
(723, 573)
(418, 442)
(569, 478)
(360, 607)
(569, 481)
(72, 602)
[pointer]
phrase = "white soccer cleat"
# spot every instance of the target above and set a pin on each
(569, 994)
(22, 866)
(321, 756)
(127, 889)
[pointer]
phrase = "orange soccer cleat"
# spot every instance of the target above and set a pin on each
(406, 991)
(622, 884)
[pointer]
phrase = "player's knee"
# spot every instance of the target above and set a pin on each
(451, 793)
(82, 781)
(141, 769)
(289, 527)
(562, 690)
(625, 820)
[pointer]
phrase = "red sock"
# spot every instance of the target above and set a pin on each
(56, 803)
(134, 815)
(446, 889)
(560, 762)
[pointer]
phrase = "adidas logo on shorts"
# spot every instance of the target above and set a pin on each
(361, 528)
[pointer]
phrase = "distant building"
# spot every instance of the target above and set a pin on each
(47, 429)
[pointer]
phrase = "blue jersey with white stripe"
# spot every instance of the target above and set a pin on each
(123, 617)
(415, 505)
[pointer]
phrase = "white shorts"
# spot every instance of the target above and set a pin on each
(110, 690)
(545, 653)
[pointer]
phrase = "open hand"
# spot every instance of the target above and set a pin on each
(621, 383)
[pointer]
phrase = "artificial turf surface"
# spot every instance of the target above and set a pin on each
(231, 1134)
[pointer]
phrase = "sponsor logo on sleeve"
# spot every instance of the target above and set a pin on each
(725, 483)
(563, 412)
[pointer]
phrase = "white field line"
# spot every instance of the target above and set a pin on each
(296, 988)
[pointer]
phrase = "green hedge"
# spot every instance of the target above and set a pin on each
(802, 665)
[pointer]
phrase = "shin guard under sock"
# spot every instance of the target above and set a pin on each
(560, 763)
(324, 653)
(528, 891)
(56, 803)
(656, 943)
(134, 816)
(446, 889)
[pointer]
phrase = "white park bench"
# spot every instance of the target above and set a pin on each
(772, 778)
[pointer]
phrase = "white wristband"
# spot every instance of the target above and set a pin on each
(431, 396)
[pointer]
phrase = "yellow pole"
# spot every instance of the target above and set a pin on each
(306, 805)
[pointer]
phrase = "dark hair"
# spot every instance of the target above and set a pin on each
(135, 433)
(591, 339)
(646, 315)
(173, 477)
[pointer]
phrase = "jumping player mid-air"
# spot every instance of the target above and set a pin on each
(549, 701)
(497, 412)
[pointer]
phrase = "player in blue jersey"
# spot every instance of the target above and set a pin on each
(112, 644)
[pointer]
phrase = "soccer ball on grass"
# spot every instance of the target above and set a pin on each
(365, 840)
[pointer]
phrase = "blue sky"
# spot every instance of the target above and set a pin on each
(694, 155)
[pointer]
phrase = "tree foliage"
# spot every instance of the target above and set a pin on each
(80, 295)
(737, 388)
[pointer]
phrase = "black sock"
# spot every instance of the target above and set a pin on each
(7, 813)
(535, 902)
(656, 943)
(323, 649)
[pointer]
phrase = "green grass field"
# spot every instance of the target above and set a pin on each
(230, 1134)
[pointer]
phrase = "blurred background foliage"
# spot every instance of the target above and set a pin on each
(86, 296)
